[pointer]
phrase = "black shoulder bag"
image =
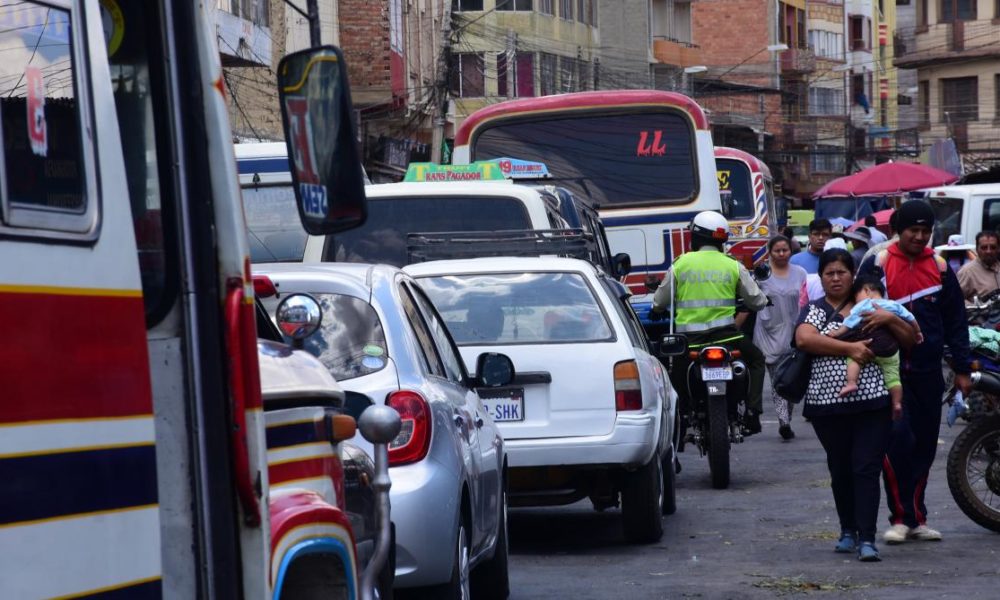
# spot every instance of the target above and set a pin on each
(792, 371)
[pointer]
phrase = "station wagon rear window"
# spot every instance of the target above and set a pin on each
(350, 341)
(382, 239)
(518, 308)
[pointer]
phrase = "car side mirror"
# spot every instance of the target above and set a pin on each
(493, 370)
(299, 316)
(622, 263)
(762, 272)
(673, 344)
(318, 118)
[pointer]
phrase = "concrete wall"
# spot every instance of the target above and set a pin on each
(982, 133)
(253, 92)
(625, 44)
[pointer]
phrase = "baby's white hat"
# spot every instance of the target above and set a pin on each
(835, 243)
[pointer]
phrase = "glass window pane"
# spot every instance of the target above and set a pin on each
(518, 308)
(350, 341)
(735, 188)
(43, 149)
(613, 159)
(382, 238)
(273, 225)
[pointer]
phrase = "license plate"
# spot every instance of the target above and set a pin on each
(716, 373)
(503, 405)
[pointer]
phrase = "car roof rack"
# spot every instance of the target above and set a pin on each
(572, 243)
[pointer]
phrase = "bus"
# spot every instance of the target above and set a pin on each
(644, 157)
(747, 194)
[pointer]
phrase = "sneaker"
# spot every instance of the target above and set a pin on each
(848, 543)
(924, 534)
(786, 432)
(867, 552)
(896, 534)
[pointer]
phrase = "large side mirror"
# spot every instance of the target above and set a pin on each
(494, 370)
(316, 109)
(299, 316)
(673, 344)
(622, 263)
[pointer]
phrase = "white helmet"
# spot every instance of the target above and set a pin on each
(711, 226)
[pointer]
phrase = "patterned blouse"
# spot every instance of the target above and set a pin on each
(829, 373)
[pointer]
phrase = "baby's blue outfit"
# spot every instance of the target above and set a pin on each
(868, 305)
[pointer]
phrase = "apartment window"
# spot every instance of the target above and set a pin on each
(826, 158)
(524, 75)
(522, 5)
(957, 10)
(566, 9)
(922, 13)
(548, 83)
(545, 7)
(466, 5)
(859, 41)
(827, 44)
(826, 101)
(996, 97)
(800, 28)
(467, 80)
(924, 102)
(960, 99)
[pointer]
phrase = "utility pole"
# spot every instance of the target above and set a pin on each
(442, 85)
(311, 13)
(510, 61)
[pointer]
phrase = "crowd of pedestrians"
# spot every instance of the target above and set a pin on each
(876, 314)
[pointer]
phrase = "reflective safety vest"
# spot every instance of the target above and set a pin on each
(705, 296)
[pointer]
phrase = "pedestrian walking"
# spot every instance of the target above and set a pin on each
(820, 230)
(921, 280)
(854, 429)
(776, 323)
(789, 233)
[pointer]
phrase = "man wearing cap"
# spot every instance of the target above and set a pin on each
(924, 283)
(820, 231)
(861, 239)
(982, 275)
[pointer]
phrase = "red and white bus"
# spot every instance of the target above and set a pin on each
(645, 157)
(747, 193)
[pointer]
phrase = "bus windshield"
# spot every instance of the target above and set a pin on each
(735, 189)
(615, 159)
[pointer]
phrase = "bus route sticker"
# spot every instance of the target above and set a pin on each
(37, 129)
(311, 190)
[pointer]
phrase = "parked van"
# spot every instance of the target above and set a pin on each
(964, 209)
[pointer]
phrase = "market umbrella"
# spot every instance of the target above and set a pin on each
(887, 178)
(843, 222)
(881, 220)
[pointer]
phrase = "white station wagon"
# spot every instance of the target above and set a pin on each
(590, 412)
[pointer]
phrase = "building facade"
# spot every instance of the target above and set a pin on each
(955, 50)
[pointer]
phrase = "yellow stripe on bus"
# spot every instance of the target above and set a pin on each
(83, 515)
(110, 588)
(49, 290)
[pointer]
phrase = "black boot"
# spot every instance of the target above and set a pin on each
(752, 422)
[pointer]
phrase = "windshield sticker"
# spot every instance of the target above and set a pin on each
(372, 362)
(373, 350)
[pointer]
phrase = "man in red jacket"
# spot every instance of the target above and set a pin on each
(923, 282)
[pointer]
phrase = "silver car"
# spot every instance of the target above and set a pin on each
(382, 338)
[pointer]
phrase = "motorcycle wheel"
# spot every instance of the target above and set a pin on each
(974, 472)
(718, 442)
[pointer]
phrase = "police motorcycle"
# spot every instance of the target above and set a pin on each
(973, 467)
(715, 414)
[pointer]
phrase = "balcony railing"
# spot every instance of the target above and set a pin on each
(798, 60)
(948, 41)
(675, 52)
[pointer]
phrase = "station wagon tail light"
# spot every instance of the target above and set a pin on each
(263, 287)
(628, 388)
(414, 437)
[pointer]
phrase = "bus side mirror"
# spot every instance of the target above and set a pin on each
(317, 114)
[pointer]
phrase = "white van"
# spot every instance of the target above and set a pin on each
(964, 209)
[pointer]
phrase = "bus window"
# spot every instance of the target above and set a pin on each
(135, 77)
(735, 189)
(48, 175)
(614, 159)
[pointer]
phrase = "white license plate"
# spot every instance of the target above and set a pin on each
(504, 405)
(716, 373)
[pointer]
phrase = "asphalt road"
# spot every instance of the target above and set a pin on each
(770, 534)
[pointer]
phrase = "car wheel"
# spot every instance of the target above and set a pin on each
(669, 483)
(642, 503)
(490, 580)
(458, 587)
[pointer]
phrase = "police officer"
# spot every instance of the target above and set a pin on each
(705, 284)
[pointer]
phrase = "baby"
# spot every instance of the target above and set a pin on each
(868, 296)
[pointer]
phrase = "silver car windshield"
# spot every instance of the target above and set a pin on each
(518, 308)
(350, 342)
